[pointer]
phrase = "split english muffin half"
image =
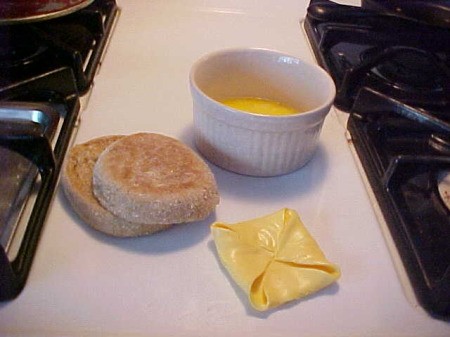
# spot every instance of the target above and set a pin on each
(139, 184)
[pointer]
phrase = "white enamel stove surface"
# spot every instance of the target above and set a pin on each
(83, 283)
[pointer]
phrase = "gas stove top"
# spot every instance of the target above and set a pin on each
(391, 67)
(48, 68)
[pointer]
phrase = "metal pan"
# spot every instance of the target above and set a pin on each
(21, 11)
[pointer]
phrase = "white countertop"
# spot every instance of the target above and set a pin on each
(84, 283)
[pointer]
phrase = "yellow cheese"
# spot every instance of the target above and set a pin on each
(273, 258)
(260, 106)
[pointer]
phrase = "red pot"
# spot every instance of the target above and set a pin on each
(16, 11)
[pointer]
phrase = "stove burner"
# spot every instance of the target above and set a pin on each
(408, 68)
(365, 48)
(19, 51)
(47, 65)
(76, 41)
(404, 172)
(392, 75)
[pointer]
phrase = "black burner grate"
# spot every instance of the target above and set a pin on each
(45, 68)
(76, 41)
(359, 47)
(392, 75)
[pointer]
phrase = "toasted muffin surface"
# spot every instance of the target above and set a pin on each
(152, 178)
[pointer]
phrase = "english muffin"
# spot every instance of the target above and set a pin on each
(152, 178)
(76, 180)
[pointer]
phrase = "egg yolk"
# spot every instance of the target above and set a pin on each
(260, 106)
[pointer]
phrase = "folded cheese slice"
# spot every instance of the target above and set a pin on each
(273, 259)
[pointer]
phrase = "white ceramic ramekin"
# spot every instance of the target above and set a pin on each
(249, 143)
